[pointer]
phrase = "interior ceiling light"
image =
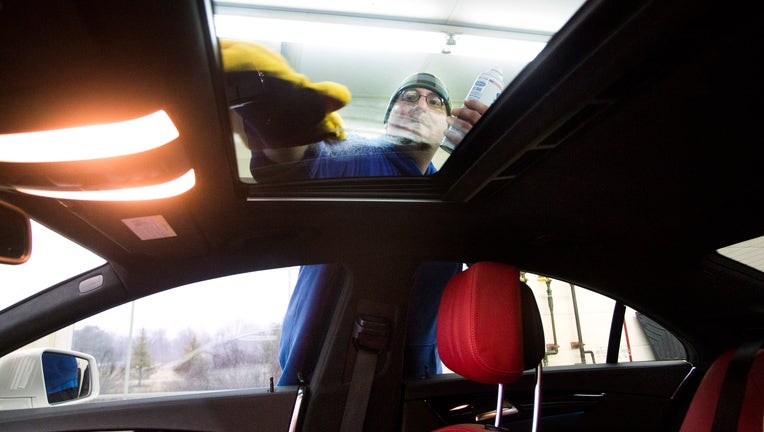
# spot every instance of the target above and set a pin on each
(347, 36)
(143, 193)
(89, 142)
(371, 38)
(487, 47)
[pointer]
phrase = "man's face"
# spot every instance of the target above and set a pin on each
(420, 121)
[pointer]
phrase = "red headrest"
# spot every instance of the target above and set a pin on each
(480, 325)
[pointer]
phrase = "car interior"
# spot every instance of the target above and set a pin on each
(619, 163)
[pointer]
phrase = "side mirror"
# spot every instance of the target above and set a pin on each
(15, 235)
(41, 377)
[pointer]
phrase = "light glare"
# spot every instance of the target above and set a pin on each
(143, 193)
(89, 142)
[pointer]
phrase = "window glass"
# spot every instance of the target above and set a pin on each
(662, 344)
(370, 52)
(213, 335)
(45, 267)
(577, 327)
(566, 312)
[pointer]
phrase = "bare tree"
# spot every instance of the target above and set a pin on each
(109, 354)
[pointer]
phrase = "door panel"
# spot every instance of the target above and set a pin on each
(225, 411)
(625, 396)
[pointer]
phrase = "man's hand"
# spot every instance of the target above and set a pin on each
(463, 119)
(279, 108)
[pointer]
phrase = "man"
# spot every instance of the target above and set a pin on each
(416, 120)
(417, 117)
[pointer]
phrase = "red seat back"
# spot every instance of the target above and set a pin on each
(701, 415)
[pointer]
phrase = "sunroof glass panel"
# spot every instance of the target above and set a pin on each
(318, 89)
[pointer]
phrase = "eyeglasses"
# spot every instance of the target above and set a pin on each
(412, 96)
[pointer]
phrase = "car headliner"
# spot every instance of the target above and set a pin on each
(621, 159)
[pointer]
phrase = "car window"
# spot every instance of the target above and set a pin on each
(577, 324)
(45, 267)
(370, 53)
(224, 334)
(217, 334)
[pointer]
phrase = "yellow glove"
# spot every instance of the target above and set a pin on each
(333, 124)
(279, 107)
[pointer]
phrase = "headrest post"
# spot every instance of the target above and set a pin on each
(499, 406)
(537, 399)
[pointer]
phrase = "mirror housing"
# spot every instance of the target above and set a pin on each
(15, 235)
(42, 377)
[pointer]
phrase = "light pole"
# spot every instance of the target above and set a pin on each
(129, 354)
(554, 348)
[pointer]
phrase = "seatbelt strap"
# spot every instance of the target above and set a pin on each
(370, 337)
(733, 388)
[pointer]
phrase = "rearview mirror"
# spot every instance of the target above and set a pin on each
(15, 235)
(41, 377)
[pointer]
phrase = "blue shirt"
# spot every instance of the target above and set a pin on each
(354, 157)
(318, 286)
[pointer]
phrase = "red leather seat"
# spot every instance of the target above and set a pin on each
(489, 329)
(749, 416)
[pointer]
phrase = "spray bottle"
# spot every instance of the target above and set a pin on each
(486, 89)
